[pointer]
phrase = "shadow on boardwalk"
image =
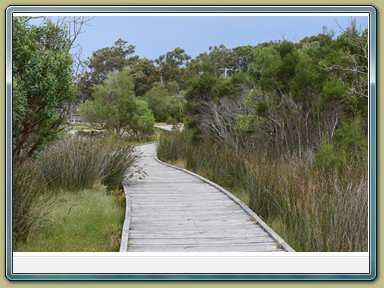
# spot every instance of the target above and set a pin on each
(173, 210)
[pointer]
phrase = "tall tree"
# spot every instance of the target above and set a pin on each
(172, 66)
(144, 73)
(42, 84)
(116, 108)
(102, 62)
(165, 102)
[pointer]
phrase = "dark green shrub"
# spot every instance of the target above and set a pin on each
(349, 144)
(329, 158)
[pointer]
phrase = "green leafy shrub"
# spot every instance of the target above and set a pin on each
(350, 137)
(328, 157)
(349, 144)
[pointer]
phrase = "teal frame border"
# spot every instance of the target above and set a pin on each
(198, 277)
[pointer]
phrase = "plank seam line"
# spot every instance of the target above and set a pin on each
(240, 203)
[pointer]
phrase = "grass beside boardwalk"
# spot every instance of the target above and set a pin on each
(87, 221)
(76, 166)
(313, 209)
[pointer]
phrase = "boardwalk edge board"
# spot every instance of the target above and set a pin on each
(127, 221)
(284, 245)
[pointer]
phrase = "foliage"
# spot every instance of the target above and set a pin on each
(141, 126)
(172, 66)
(116, 108)
(224, 61)
(349, 145)
(101, 63)
(43, 86)
(164, 103)
(292, 96)
(144, 74)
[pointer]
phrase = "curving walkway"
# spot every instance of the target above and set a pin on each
(174, 210)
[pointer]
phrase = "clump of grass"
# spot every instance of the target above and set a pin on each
(172, 148)
(116, 166)
(88, 221)
(312, 208)
(315, 210)
(27, 211)
(75, 163)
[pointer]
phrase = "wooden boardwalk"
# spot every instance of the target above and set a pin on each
(172, 210)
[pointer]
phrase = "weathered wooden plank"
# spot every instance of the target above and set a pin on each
(200, 241)
(249, 230)
(193, 221)
(181, 236)
(181, 201)
(182, 227)
(183, 217)
(182, 205)
(264, 247)
(176, 196)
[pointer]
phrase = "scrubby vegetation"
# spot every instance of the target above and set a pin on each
(288, 134)
(73, 165)
(283, 125)
(314, 208)
(55, 205)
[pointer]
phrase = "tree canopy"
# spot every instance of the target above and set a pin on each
(102, 62)
(43, 86)
(116, 108)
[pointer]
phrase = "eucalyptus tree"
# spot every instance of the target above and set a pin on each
(144, 74)
(102, 62)
(172, 66)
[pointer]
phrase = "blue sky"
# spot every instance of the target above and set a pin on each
(154, 36)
